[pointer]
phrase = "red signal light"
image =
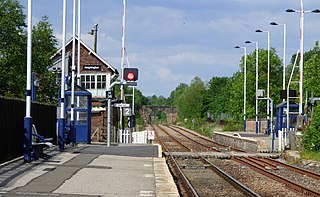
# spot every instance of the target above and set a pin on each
(130, 74)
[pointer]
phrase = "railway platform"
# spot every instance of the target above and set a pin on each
(91, 170)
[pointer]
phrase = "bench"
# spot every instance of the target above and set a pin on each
(38, 144)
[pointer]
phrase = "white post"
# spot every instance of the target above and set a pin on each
(280, 140)
(27, 133)
(29, 59)
(284, 56)
(122, 67)
(301, 57)
(79, 37)
(268, 83)
(257, 86)
(73, 72)
(61, 120)
(245, 89)
(79, 54)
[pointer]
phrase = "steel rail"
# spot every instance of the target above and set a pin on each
(185, 182)
(235, 183)
(176, 140)
(259, 165)
(291, 185)
(294, 168)
(204, 138)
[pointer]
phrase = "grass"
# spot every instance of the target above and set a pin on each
(308, 155)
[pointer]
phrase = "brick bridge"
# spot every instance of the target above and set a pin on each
(149, 113)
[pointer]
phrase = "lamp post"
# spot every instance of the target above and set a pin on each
(268, 78)
(301, 11)
(284, 53)
(61, 120)
(244, 86)
(27, 146)
(257, 83)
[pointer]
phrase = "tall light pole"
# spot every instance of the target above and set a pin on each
(257, 83)
(27, 146)
(122, 66)
(301, 11)
(244, 86)
(61, 120)
(268, 78)
(284, 53)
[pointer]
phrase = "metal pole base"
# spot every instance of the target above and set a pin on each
(244, 125)
(61, 127)
(27, 146)
(72, 133)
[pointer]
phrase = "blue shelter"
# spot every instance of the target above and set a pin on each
(282, 115)
(82, 114)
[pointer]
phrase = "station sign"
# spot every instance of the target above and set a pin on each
(121, 105)
(127, 111)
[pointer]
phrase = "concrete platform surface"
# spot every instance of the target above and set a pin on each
(91, 170)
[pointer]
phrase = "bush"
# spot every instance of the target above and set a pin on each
(233, 126)
(311, 136)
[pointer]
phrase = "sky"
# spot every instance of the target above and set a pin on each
(173, 41)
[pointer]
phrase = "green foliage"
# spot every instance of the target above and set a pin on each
(217, 95)
(13, 53)
(311, 71)
(190, 103)
(12, 49)
(232, 126)
(311, 155)
(311, 136)
(157, 101)
(43, 47)
(174, 96)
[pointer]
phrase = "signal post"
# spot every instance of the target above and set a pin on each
(129, 78)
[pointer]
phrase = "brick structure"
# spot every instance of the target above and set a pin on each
(149, 113)
(94, 74)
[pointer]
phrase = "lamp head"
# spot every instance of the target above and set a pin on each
(274, 23)
(247, 42)
(316, 11)
(259, 31)
(237, 47)
(290, 10)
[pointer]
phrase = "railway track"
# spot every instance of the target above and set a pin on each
(227, 184)
(305, 182)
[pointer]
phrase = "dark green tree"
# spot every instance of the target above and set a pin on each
(43, 47)
(175, 94)
(311, 136)
(217, 95)
(190, 103)
(236, 93)
(12, 49)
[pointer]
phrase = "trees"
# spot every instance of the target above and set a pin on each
(236, 87)
(13, 53)
(43, 47)
(190, 103)
(12, 49)
(217, 95)
(311, 137)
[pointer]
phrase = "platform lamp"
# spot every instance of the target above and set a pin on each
(257, 83)
(27, 146)
(301, 11)
(268, 78)
(284, 52)
(244, 86)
